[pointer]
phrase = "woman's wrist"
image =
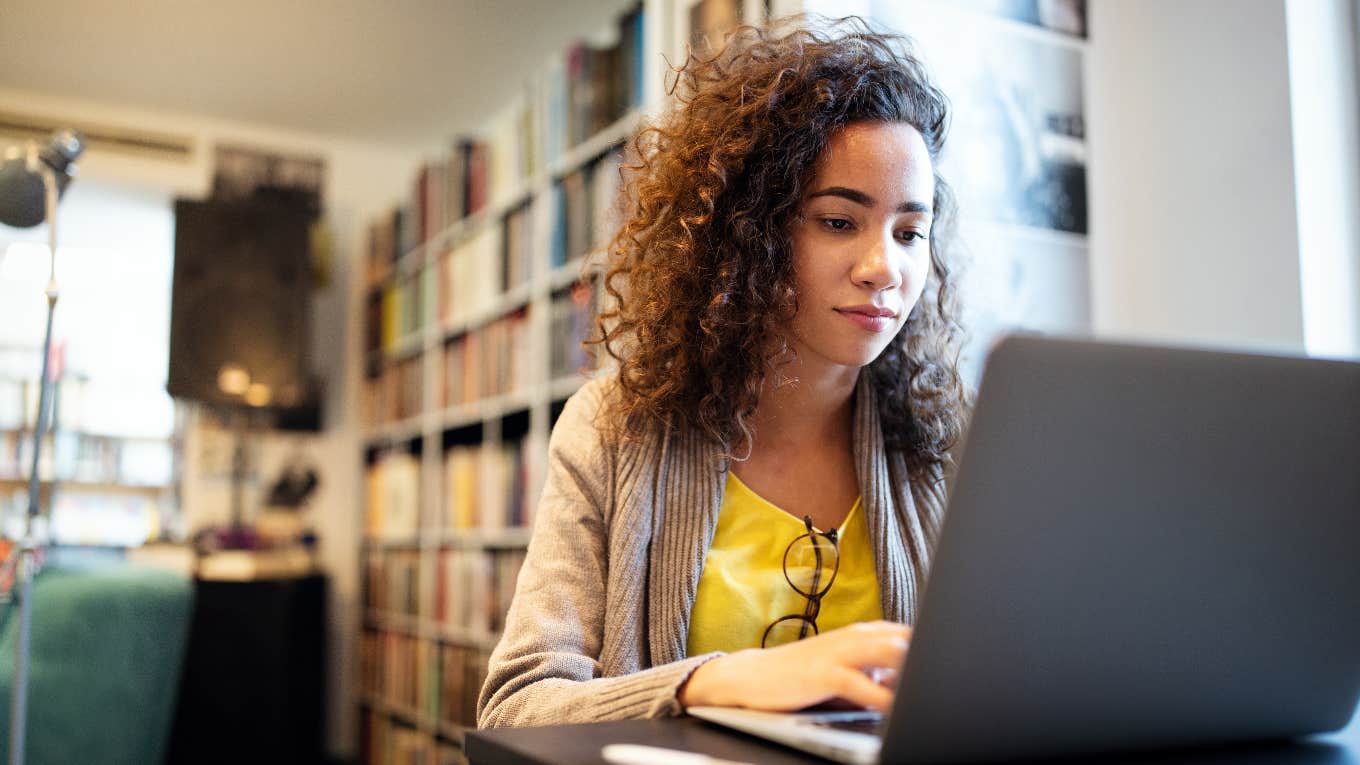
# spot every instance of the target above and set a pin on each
(704, 686)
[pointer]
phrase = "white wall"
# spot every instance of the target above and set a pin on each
(362, 179)
(1323, 94)
(1193, 218)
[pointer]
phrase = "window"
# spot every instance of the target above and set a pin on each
(113, 452)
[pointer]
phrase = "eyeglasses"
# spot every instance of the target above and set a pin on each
(810, 565)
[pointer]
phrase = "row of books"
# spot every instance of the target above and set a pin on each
(19, 400)
(393, 668)
(462, 671)
(91, 515)
(469, 275)
(481, 363)
(395, 392)
(392, 582)
(473, 587)
(457, 283)
(430, 679)
(572, 98)
(401, 310)
(485, 362)
(585, 210)
(393, 497)
(443, 192)
(591, 86)
(489, 361)
(388, 236)
(86, 458)
(390, 742)
(486, 487)
(577, 219)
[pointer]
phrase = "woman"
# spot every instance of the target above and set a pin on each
(744, 513)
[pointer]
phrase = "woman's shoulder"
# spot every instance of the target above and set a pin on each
(591, 422)
(593, 394)
(589, 403)
(584, 420)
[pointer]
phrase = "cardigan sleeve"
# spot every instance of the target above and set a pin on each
(546, 669)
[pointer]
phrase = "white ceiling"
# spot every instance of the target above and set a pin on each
(402, 72)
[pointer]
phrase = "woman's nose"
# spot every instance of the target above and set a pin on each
(874, 268)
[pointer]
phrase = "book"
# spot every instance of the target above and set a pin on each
(604, 207)
(393, 488)
(632, 25)
(478, 176)
(518, 248)
(455, 201)
(575, 206)
(461, 488)
(471, 276)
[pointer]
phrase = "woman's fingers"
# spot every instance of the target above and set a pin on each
(874, 650)
(880, 626)
(883, 676)
(856, 687)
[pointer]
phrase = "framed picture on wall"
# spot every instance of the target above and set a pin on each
(1066, 16)
(242, 173)
(1016, 151)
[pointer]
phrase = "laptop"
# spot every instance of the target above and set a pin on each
(1144, 547)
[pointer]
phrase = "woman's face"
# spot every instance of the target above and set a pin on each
(861, 244)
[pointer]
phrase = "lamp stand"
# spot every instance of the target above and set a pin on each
(24, 557)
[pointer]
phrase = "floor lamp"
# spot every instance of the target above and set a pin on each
(32, 180)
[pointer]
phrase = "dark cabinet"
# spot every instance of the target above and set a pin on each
(253, 685)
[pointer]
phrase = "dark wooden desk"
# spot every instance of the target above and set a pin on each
(580, 745)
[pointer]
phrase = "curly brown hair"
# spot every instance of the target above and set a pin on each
(700, 273)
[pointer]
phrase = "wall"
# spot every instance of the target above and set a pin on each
(362, 179)
(1194, 225)
(1323, 94)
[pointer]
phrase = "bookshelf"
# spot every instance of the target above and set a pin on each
(96, 487)
(476, 299)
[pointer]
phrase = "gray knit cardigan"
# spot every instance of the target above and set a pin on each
(598, 626)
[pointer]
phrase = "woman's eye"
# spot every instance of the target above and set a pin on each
(837, 224)
(909, 237)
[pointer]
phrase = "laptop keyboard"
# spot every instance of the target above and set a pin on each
(856, 722)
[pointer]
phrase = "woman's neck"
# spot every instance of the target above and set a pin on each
(804, 409)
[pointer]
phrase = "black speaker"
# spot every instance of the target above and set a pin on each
(239, 314)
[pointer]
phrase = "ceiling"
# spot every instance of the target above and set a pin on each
(400, 72)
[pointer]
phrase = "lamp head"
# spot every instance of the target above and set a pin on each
(23, 199)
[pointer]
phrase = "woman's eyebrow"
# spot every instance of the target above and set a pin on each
(860, 198)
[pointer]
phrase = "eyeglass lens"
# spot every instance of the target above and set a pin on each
(810, 564)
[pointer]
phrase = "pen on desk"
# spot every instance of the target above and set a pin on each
(636, 754)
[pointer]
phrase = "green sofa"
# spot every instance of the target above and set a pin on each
(106, 649)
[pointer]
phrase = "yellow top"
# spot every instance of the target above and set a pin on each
(742, 588)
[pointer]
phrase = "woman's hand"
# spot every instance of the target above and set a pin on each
(832, 665)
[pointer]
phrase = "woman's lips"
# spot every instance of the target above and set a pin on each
(867, 322)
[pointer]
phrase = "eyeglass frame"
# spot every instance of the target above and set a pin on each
(814, 604)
